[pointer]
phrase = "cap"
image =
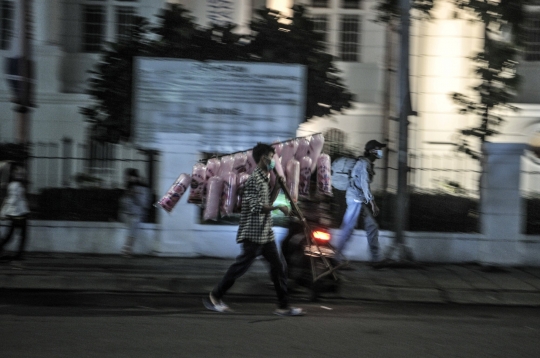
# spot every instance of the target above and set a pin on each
(372, 144)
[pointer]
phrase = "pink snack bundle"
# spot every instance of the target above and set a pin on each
(305, 176)
(303, 148)
(198, 179)
(227, 163)
(293, 178)
(240, 160)
(288, 151)
(324, 175)
(228, 195)
(316, 145)
(212, 167)
(175, 192)
(213, 196)
(241, 183)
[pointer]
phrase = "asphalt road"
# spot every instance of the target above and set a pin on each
(56, 324)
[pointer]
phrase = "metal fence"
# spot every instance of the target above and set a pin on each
(530, 176)
(452, 173)
(68, 164)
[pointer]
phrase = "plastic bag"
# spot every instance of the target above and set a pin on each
(175, 192)
(324, 175)
(293, 178)
(198, 179)
(316, 145)
(305, 176)
(228, 195)
(214, 187)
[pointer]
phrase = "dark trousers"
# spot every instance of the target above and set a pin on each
(20, 223)
(250, 251)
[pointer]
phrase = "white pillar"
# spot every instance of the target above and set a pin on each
(501, 204)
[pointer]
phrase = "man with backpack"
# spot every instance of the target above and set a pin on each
(360, 201)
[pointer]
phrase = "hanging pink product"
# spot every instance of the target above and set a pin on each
(288, 151)
(305, 176)
(250, 162)
(227, 163)
(198, 179)
(240, 160)
(175, 192)
(324, 175)
(241, 183)
(279, 167)
(272, 182)
(212, 167)
(316, 145)
(293, 178)
(278, 147)
(213, 197)
(303, 148)
(228, 195)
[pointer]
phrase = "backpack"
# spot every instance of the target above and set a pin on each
(341, 172)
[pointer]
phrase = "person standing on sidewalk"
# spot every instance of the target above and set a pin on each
(360, 201)
(15, 209)
(133, 207)
(256, 236)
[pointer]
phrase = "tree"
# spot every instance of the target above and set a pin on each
(278, 38)
(111, 84)
(495, 67)
(274, 38)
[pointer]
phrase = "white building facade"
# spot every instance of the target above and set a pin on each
(68, 34)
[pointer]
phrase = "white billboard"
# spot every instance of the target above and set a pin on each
(233, 105)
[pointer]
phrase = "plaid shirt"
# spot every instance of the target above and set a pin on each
(255, 226)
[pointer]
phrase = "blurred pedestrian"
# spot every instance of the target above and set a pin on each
(15, 209)
(360, 201)
(256, 236)
(133, 208)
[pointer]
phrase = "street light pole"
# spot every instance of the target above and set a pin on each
(402, 205)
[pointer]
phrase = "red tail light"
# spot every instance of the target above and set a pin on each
(321, 236)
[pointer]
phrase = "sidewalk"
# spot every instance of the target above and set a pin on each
(427, 283)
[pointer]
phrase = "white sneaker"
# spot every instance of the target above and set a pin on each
(215, 305)
(291, 311)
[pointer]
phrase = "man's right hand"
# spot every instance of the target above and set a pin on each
(374, 208)
(284, 209)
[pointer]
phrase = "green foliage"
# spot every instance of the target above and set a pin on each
(111, 83)
(389, 10)
(282, 39)
(177, 36)
(495, 67)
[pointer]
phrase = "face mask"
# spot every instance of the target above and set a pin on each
(378, 153)
(271, 165)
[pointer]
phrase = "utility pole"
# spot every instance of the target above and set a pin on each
(402, 205)
(19, 70)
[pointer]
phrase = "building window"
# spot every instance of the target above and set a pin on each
(334, 142)
(320, 23)
(319, 3)
(351, 4)
(349, 38)
(102, 156)
(6, 23)
(341, 23)
(125, 20)
(531, 39)
(93, 23)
